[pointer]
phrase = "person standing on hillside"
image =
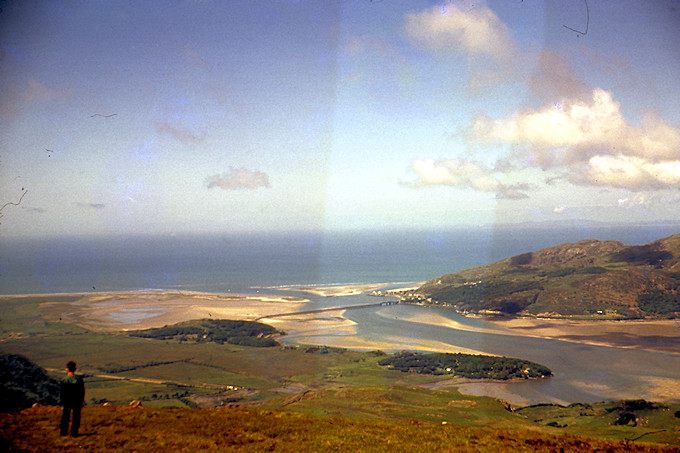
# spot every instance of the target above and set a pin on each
(72, 397)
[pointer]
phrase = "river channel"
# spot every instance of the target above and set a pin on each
(582, 372)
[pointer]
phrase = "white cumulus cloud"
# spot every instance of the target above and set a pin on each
(636, 200)
(464, 174)
(461, 27)
(592, 141)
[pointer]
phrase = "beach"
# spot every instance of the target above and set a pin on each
(123, 311)
(338, 331)
(654, 334)
(335, 290)
(639, 364)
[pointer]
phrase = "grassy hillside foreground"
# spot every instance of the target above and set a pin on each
(305, 398)
(110, 428)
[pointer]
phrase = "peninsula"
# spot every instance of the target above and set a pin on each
(589, 279)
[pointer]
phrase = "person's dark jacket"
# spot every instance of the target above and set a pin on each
(72, 391)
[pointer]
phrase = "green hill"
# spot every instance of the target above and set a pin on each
(24, 383)
(588, 278)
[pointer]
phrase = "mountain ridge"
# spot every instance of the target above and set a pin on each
(590, 278)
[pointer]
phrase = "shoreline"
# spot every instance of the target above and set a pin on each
(134, 310)
(662, 335)
(648, 334)
(119, 312)
(654, 334)
(335, 290)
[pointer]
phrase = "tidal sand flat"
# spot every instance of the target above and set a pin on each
(340, 332)
(436, 319)
(583, 371)
(143, 310)
(122, 311)
(654, 335)
(336, 290)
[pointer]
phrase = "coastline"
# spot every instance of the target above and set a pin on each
(338, 331)
(649, 334)
(335, 290)
(134, 310)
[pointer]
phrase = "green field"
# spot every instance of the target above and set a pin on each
(327, 382)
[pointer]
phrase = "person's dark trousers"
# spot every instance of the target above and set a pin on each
(75, 424)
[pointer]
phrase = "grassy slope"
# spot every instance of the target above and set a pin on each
(589, 278)
(655, 422)
(197, 430)
(338, 383)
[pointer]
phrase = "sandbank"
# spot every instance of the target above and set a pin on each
(340, 332)
(438, 320)
(656, 335)
(142, 310)
(336, 290)
(120, 311)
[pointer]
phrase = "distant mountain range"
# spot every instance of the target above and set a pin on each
(600, 279)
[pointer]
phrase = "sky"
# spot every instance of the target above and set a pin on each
(190, 116)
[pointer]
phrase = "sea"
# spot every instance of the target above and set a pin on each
(248, 262)
(257, 263)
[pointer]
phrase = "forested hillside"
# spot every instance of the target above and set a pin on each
(591, 278)
(24, 383)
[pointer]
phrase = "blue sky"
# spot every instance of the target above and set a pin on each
(209, 116)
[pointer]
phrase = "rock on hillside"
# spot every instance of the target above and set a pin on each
(590, 277)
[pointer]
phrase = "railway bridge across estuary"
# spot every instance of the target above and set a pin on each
(323, 310)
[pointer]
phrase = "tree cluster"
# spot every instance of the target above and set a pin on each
(244, 333)
(24, 384)
(662, 301)
(499, 295)
(646, 254)
(466, 365)
(659, 302)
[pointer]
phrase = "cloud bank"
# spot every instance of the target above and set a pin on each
(591, 142)
(238, 178)
(464, 174)
(579, 135)
(456, 27)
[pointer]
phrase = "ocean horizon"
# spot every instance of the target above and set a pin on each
(262, 263)
(251, 262)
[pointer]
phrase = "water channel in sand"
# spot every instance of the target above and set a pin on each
(582, 372)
